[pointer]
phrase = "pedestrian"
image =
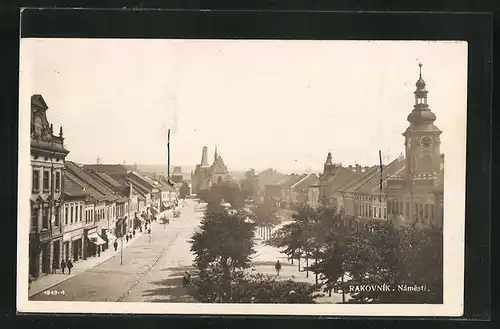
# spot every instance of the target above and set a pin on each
(184, 280)
(63, 265)
(130, 236)
(115, 245)
(70, 266)
(54, 266)
(126, 238)
(98, 251)
(133, 232)
(278, 267)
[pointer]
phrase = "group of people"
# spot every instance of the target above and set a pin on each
(64, 264)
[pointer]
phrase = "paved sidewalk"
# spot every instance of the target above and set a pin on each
(47, 281)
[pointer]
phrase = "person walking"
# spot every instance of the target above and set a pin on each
(126, 238)
(184, 280)
(277, 267)
(133, 232)
(63, 265)
(54, 266)
(115, 245)
(70, 266)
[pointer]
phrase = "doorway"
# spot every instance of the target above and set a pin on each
(57, 253)
(46, 258)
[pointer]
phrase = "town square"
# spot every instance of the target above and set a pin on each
(183, 199)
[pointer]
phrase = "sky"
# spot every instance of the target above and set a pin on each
(279, 104)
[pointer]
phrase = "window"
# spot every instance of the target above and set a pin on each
(401, 207)
(383, 213)
(407, 209)
(36, 180)
(66, 215)
(432, 212)
(45, 218)
(56, 216)
(58, 180)
(426, 211)
(71, 215)
(46, 179)
(81, 213)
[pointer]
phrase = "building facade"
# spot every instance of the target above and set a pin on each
(47, 163)
(206, 175)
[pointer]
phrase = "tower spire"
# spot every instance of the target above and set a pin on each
(420, 66)
(215, 155)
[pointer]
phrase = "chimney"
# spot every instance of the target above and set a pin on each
(204, 158)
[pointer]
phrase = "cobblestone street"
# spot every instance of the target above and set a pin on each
(151, 271)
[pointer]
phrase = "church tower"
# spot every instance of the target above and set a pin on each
(328, 168)
(422, 137)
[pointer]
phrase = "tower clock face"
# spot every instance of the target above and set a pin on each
(426, 142)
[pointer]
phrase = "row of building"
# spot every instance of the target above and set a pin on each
(78, 210)
(410, 188)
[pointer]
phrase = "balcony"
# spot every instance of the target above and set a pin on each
(44, 235)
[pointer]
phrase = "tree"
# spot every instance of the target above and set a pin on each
(250, 185)
(222, 247)
(266, 217)
(184, 190)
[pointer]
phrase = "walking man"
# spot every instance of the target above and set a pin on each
(54, 266)
(115, 245)
(127, 238)
(63, 265)
(277, 266)
(70, 266)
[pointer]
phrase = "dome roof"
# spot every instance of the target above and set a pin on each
(420, 83)
(425, 116)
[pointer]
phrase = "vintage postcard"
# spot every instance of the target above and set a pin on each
(273, 177)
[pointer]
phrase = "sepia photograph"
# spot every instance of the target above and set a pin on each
(171, 176)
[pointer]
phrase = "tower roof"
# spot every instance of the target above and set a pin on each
(421, 116)
(329, 159)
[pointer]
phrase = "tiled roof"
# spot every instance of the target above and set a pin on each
(292, 179)
(110, 180)
(107, 168)
(352, 185)
(342, 177)
(73, 189)
(305, 182)
(142, 180)
(372, 180)
(82, 175)
(89, 189)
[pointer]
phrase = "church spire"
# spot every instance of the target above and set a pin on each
(421, 113)
(215, 154)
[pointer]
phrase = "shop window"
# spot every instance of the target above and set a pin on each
(36, 180)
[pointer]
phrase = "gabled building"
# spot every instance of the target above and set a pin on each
(105, 208)
(300, 189)
(48, 155)
(334, 176)
(366, 197)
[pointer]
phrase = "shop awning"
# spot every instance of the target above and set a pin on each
(96, 238)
